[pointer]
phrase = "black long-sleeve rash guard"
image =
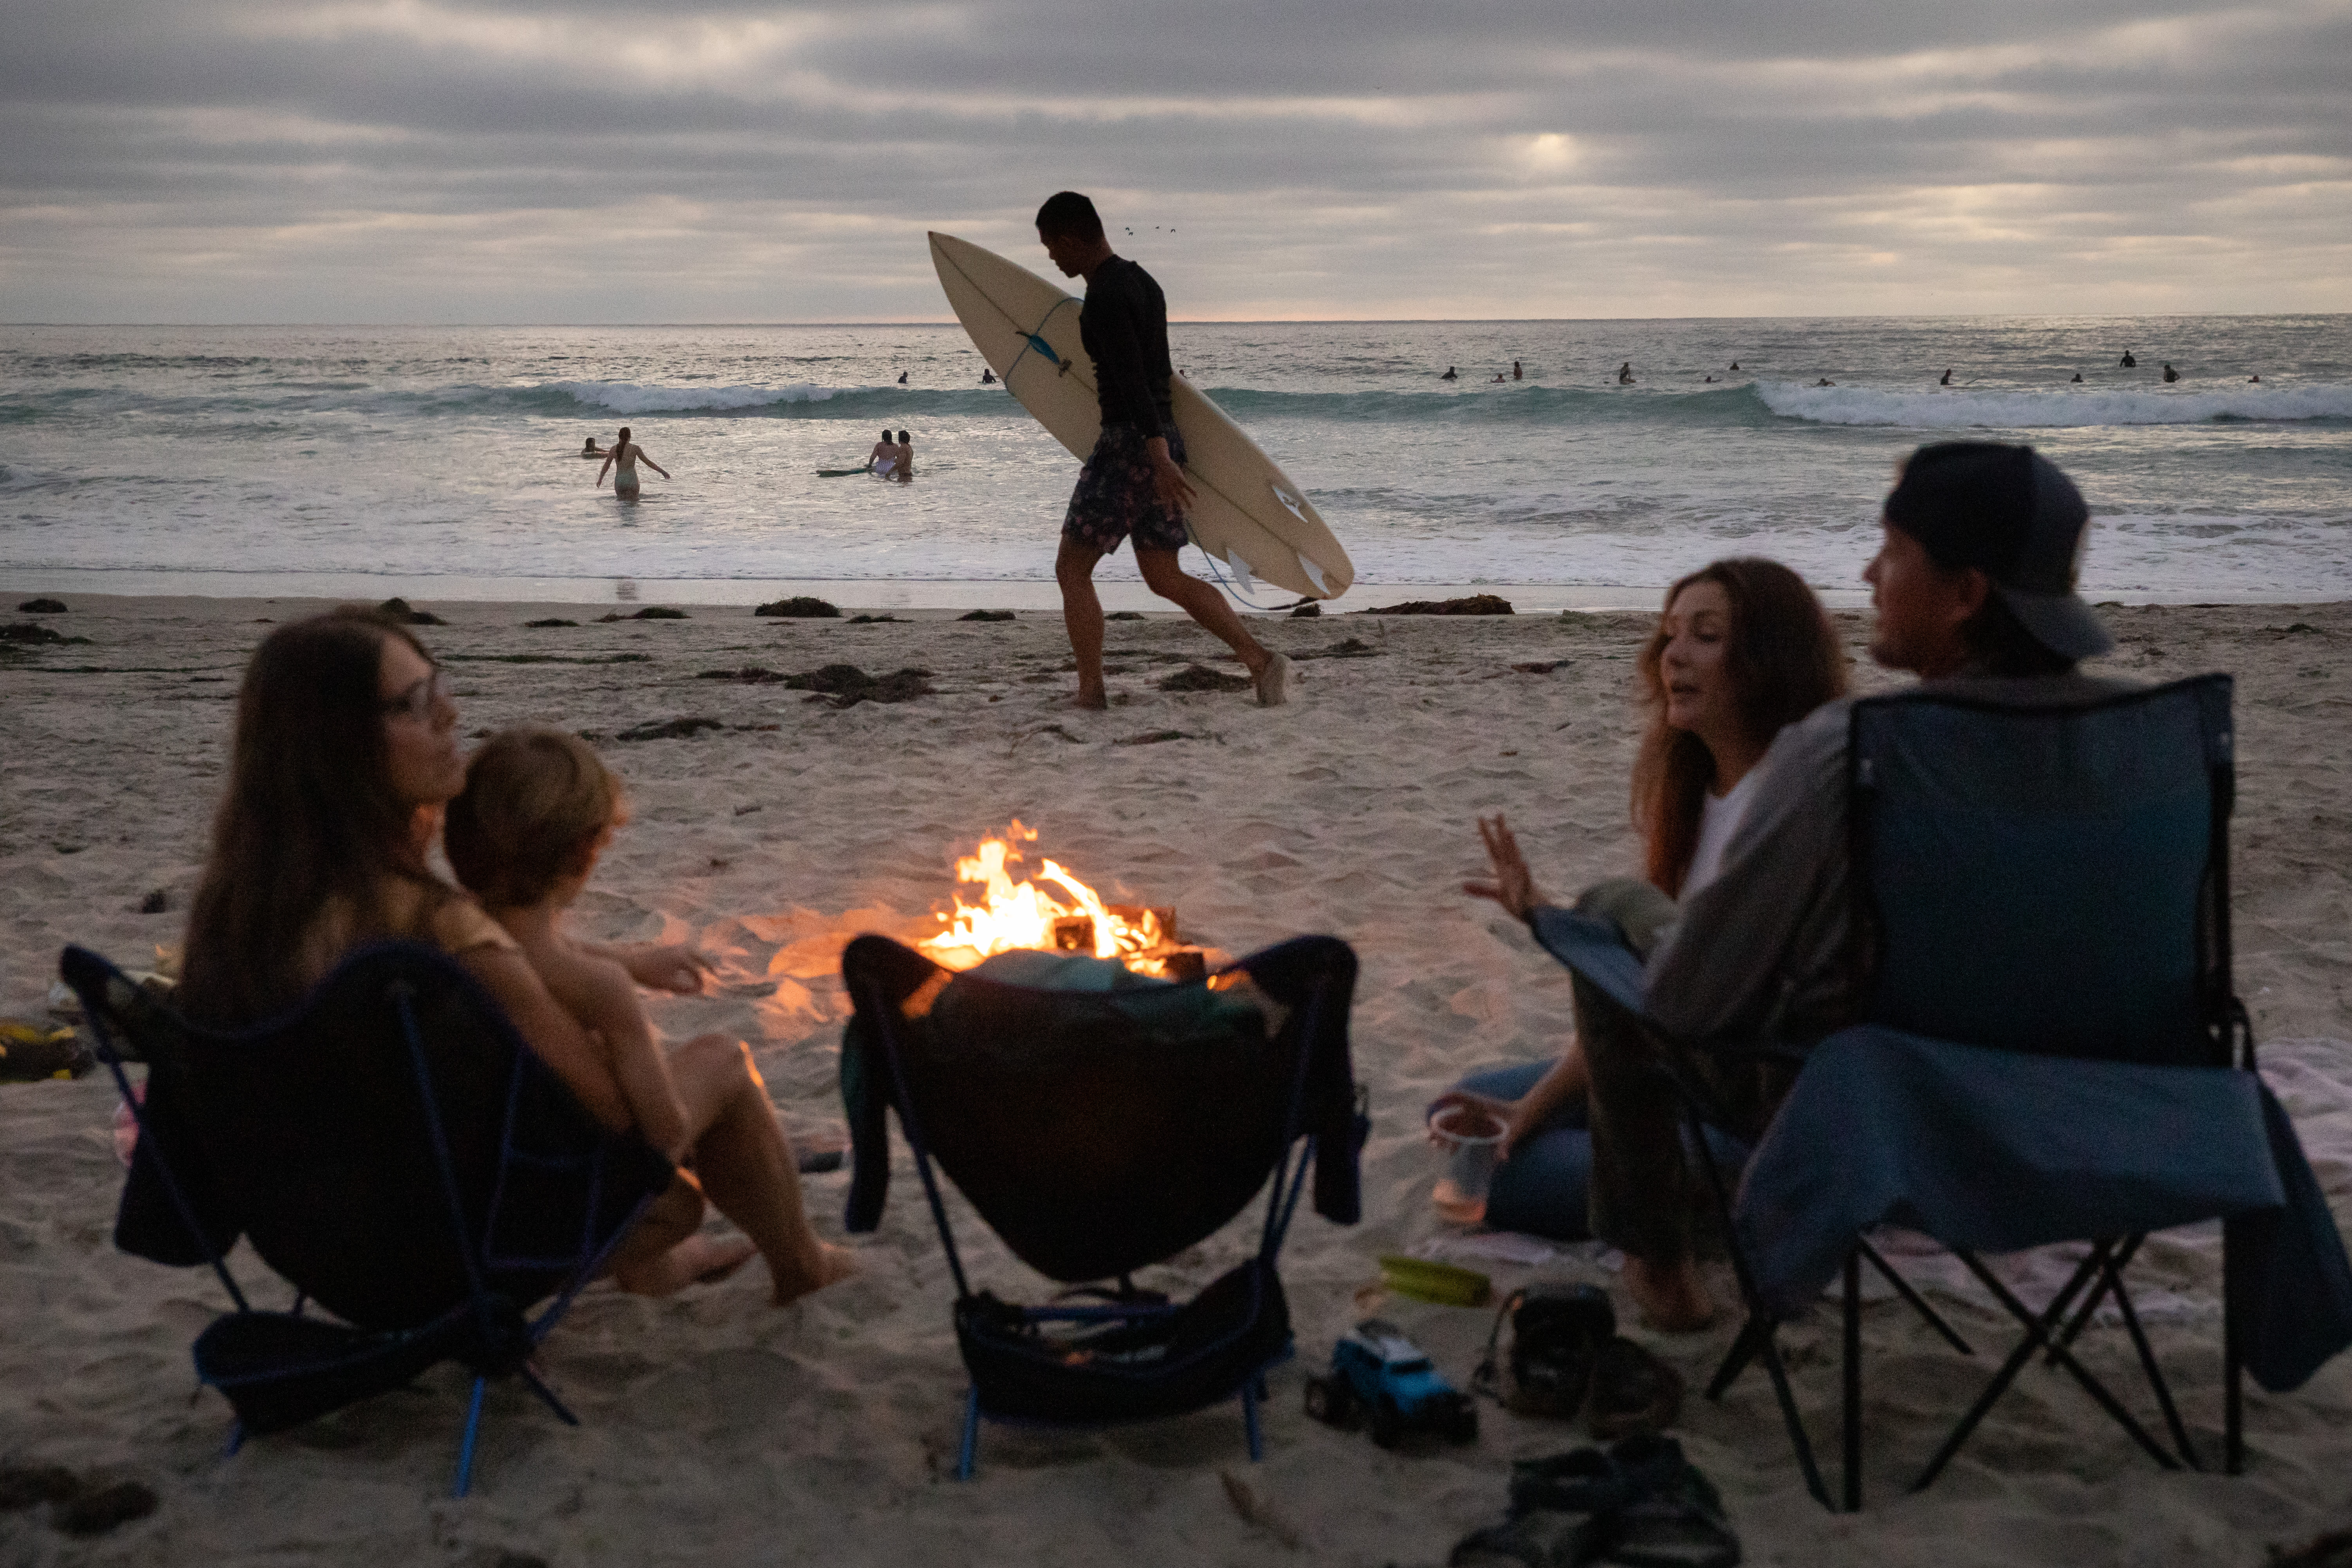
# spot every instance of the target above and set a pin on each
(1124, 326)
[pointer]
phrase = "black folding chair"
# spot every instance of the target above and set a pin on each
(394, 1150)
(1098, 1132)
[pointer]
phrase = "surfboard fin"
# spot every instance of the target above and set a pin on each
(1314, 573)
(1239, 569)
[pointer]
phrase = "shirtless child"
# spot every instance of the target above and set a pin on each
(538, 810)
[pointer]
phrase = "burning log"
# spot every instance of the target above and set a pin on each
(1070, 918)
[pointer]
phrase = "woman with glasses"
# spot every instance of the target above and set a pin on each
(346, 754)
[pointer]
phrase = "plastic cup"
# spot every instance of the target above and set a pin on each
(1471, 1138)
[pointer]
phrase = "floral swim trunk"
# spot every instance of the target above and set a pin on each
(1115, 497)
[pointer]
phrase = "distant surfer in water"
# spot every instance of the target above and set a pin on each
(2077, 381)
(905, 451)
(1825, 381)
(1515, 372)
(622, 462)
(2127, 362)
(1133, 482)
(1625, 374)
(1449, 375)
(2171, 375)
(590, 449)
(1734, 366)
(988, 378)
(1947, 379)
(902, 378)
(885, 456)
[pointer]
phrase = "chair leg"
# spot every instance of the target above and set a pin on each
(2155, 1380)
(1758, 1329)
(1752, 1333)
(1250, 1395)
(2038, 1337)
(969, 1450)
(465, 1444)
(1795, 1422)
(1918, 1303)
(532, 1381)
(2111, 1277)
(1852, 1433)
(2234, 1366)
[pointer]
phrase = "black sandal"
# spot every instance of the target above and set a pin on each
(1539, 1537)
(1674, 1518)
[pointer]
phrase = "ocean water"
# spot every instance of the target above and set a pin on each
(443, 459)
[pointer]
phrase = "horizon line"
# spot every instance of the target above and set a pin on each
(1237, 321)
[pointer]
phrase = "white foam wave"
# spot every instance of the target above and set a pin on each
(636, 397)
(1960, 409)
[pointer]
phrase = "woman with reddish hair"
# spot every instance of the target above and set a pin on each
(1742, 649)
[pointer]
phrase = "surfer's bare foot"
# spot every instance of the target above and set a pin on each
(696, 1260)
(1096, 699)
(831, 1265)
(1273, 677)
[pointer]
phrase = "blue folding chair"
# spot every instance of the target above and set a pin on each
(2052, 1051)
(1098, 1131)
(390, 1148)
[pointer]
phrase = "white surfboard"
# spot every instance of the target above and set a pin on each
(1249, 516)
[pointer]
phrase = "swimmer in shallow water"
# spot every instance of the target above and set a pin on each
(622, 462)
(1450, 374)
(906, 451)
(2077, 381)
(1515, 372)
(2127, 362)
(1625, 374)
(988, 378)
(590, 449)
(1946, 379)
(885, 455)
(2171, 375)
(1825, 381)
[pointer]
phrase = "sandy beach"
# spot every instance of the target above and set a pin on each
(718, 1430)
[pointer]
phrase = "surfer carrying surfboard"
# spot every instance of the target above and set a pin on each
(1133, 482)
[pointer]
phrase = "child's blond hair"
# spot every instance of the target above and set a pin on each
(534, 798)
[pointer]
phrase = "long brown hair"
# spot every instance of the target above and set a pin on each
(1784, 660)
(309, 815)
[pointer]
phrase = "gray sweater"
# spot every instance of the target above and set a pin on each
(1762, 951)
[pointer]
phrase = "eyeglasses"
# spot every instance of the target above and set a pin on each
(417, 702)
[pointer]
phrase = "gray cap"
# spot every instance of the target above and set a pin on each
(2009, 513)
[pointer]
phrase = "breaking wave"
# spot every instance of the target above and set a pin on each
(1963, 409)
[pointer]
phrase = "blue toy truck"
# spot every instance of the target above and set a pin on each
(1383, 1377)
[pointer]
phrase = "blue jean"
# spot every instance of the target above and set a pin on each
(1544, 1187)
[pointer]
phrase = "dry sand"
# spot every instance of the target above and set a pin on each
(720, 1431)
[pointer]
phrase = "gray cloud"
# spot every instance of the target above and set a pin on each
(512, 160)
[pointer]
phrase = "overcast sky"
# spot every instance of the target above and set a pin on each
(399, 161)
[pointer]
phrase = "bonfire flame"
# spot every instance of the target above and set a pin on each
(1027, 915)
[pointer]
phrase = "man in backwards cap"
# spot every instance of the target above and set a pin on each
(1974, 586)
